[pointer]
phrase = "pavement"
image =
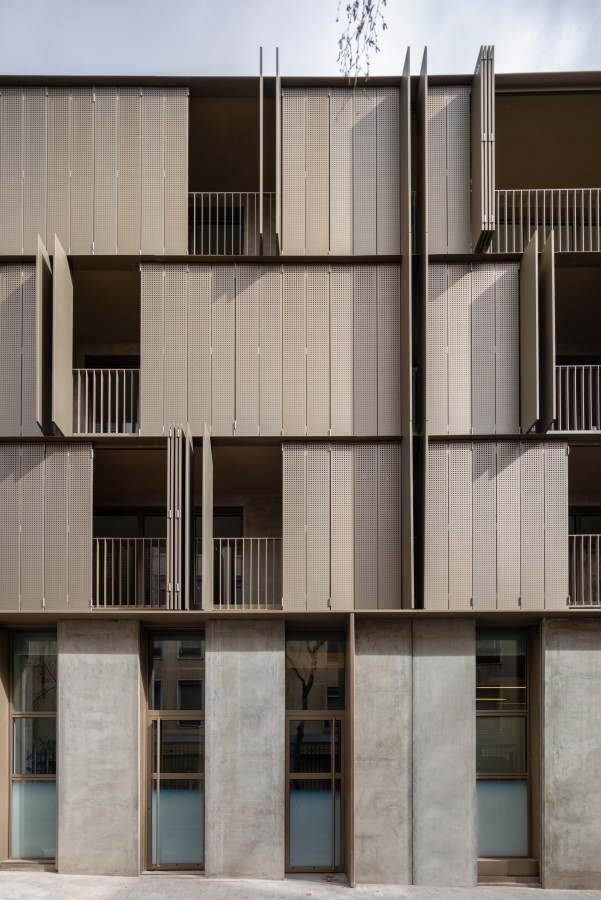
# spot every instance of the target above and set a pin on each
(44, 885)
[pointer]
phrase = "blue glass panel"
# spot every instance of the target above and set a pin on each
(181, 823)
(502, 817)
(33, 820)
(311, 824)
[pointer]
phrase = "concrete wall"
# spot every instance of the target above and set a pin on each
(444, 752)
(98, 791)
(382, 774)
(571, 790)
(245, 745)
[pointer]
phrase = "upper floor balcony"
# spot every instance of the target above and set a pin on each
(572, 214)
(231, 223)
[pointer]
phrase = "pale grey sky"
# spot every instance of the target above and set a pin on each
(222, 37)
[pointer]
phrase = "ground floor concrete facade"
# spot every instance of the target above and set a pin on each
(408, 747)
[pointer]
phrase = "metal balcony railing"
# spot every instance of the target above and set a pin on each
(247, 573)
(572, 213)
(129, 572)
(578, 398)
(585, 570)
(106, 401)
(227, 223)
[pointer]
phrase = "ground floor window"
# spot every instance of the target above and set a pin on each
(33, 746)
(176, 750)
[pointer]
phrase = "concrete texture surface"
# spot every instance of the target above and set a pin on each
(571, 659)
(49, 886)
(444, 752)
(98, 734)
(245, 746)
(383, 670)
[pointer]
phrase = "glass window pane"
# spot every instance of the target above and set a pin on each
(311, 823)
(172, 667)
(33, 820)
(315, 670)
(501, 670)
(34, 672)
(181, 835)
(501, 744)
(182, 747)
(502, 817)
(310, 744)
(34, 746)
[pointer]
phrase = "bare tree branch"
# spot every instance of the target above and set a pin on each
(359, 40)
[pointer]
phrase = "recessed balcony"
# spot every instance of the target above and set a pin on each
(106, 401)
(230, 223)
(573, 214)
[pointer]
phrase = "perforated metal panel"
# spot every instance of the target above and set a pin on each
(62, 342)
(389, 350)
(293, 171)
(507, 360)
(342, 527)
(484, 472)
(10, 472)
(105, 170)
(317, 161)
(41, 360)
(59, 167)
(341, 349)
(529, 340)
(11, 170)
(56, 527)
(318, 350)
(153, 169)
(207, 520)
(556, 526)
(365, 358)
(82, 170)
(32, 526)
(483, 386)
(80, 525)
(436, 571)
(437, 388)
(199, 348)
(223, 325)
(532, 526)
(175, 371)
(34, 168)
(548, 411)
(318, 527)
(151, 350)
(29, 426)
(389, 526)
(128, 163)
(436, 130)
(366, 526)
(270, 345)
(459, 297)
(479, 141)
(11, 309)
(294, 413)
(508, 525)
(294, 549)
(460, 526)
(341, 171)
(387, 166)
(458, 169)
(364, 172)
(176, 170)
(247, 350)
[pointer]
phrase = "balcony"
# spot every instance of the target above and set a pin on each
(585, 570)
(106, 401)
(574, 214)
(132, 573)
(229, 224)
(578, 398)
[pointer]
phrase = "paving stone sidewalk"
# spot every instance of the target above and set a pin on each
(27, 885)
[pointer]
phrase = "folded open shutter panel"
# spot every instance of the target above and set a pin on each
(11, 305)
(43, 331)
(529, 337)
(548, 409)
(62, 342)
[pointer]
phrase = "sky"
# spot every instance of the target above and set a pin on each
(222, 37)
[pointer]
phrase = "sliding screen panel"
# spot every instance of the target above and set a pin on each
(34, 168)
(437, 359)
(318, 527)
(366, 526)
(294, 534)
(128, 161)
(364, 173)
(317, 161)
(556, 526)
(33, 515)
(460, 526)
(187, 514)
(10, 476)
(436, 570)
(56, 528)
(532, 493)
(318, 350)
(294, 363)
(29, 426)
(176, 170)
(479, 154)
(388, 203)
(365, 360)
(507, 359)
(270, 355)
(389, 346)
(11, 171)
(223, 325)
(207, 521)
(529, 337)
(389, 527)
(293, 171)
(341, 171)
(508, 525)
(342, 527)
(436, 161)
(175, 366)
(153, 170)
(199, 349)
(80, 525)
(483, 349)
(59, 166)
(458, 169)
(42, 359)
(11, 312)
(105, 171)
(548, 406)
(484, 474)
(459, 297)
(278, 162)
(341, 349)
(247, 350)
(82, 171)
(62, 342)
(152, 331)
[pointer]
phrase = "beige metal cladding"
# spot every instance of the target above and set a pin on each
(548, 402)
(12, 300)
(105, 169)
(207, 520)
(180, 517)
(62, 343)
(483, 150)
(341, 526)
(473, 346)
(529, 337)
(448, 161)
(496, 526)
(46, 546)
(340, 171)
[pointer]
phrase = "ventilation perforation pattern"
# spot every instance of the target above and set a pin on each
(34, 169)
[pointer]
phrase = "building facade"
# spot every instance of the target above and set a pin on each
(299, 545)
